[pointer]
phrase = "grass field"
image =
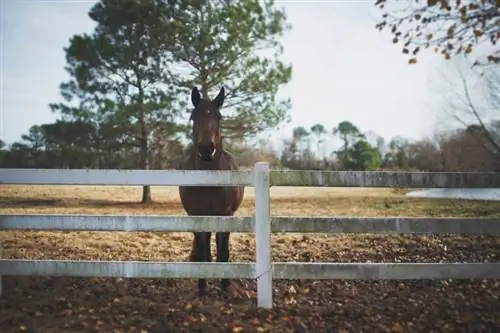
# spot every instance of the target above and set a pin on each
(108, 305)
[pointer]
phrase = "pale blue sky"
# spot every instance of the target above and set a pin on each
(343, 68)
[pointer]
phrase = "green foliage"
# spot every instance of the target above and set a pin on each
(363, 157)
(318, 129)
(235, 44)
(299, 133)
(120, 76)
(451, 27)
(349, 134)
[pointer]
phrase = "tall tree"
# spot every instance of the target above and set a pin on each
(349, 134)
(120, 73)
(450, 27)
(300, 134)
(235, 44)
(319, 131)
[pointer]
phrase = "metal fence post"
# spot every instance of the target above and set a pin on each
(263, 236)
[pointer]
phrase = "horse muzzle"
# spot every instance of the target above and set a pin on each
(206, 152)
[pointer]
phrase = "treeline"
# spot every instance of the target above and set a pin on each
(468, 149)
(81, 145)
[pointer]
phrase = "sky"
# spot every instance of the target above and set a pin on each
(343, 68)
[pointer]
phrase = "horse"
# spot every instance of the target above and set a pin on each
(207, 153)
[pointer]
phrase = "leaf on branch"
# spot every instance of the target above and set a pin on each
(395, 40)
(451, 30)
(405, 51)
(412, 61)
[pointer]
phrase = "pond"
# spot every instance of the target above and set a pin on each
(459, 193)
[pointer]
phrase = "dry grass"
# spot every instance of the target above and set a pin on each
(174, 246)
(307, 247)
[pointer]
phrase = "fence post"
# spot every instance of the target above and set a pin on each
(264, 273)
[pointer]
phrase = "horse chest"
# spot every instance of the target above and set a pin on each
(208, 200)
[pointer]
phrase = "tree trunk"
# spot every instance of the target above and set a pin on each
(146, 194)
(146, 190)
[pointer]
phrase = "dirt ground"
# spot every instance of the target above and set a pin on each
(33, 304)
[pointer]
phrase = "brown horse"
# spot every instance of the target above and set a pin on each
(207, 153)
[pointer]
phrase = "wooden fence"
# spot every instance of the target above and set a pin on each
(262, 224)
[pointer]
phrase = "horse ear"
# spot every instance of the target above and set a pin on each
(195, 96)
(219, 100)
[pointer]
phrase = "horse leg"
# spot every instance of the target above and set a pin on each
(201, 253)
(222, 241)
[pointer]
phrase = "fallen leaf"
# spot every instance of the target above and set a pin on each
(67, 312)
(22, 328)
(396, 328)
(255, 321)
(237, 329)
(188, 307)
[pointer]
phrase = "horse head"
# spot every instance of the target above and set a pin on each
(206, 116)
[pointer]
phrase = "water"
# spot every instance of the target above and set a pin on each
(459, 193)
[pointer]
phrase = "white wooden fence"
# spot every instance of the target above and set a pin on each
(262, 224)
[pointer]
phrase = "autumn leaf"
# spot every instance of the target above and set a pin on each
(412, 61)
(237, 329)
(188, 307)
(22, 328)
(255, 321)
(397, 328)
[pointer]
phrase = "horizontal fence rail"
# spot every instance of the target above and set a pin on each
(262, 223)
(385, 179)
(128, 269)
(386, 271)
(245, 224)
(280, 270)
(400, 225)
(277, 178)
(125, 177)
(128, 223)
